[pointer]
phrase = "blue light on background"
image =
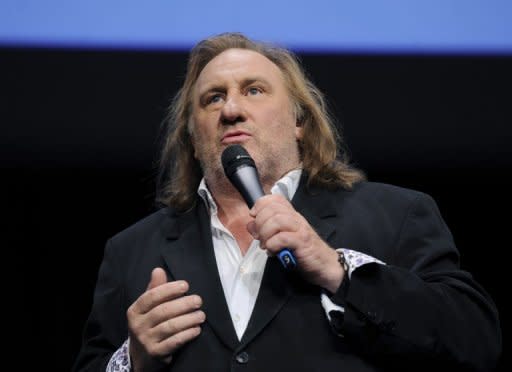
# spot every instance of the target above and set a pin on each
(433, 26)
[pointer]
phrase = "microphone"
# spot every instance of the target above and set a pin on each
(241, 170)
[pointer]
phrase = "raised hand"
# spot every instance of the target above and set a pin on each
(161, 321)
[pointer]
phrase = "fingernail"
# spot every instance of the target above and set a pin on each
(197, 301)
(253, 233)
(202, 317)
(251, 228)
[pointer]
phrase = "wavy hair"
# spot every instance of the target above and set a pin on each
(324, 162)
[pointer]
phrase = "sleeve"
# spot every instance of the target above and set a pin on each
(120, 361)
(335, 311)
(421, 306)
(105, 329)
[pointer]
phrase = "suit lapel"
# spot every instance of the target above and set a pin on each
(276, 287)
(318, 207)
(275, 290)
(188, 252)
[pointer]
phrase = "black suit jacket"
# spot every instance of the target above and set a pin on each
(417, 312)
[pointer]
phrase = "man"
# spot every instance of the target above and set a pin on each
(196, 286)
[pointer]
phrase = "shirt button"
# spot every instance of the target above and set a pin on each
(242, 358)
(242, 269)
(236, 318)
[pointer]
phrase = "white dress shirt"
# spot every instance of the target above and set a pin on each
(241, 275)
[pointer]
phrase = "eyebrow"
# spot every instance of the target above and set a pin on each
(257, 79)
(215, 87)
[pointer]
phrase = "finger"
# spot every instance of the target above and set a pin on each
(178, 324)
(160, 294)
(171, 344)
(251, 227)
(267, 200)
(281, 240)
(158, 277)
(174, 308)
(269, 212)
(277, 223)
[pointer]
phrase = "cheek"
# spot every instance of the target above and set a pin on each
(281, 121)
(203, 138)
(206, 124)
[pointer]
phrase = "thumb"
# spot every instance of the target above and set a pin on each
(158, 277)
(251, 228)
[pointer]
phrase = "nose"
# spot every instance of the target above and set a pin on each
(233, 111)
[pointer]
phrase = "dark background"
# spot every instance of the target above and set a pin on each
(79, 139)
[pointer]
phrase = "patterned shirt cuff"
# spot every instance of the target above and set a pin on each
(356, 259)
(120, 361)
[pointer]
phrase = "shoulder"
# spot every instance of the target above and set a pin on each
(364, 196)
(366, 200)
(385, 193)
(155, 224)
(385, 199)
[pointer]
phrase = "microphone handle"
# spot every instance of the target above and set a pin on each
(246, 181)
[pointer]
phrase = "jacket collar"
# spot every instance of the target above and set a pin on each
(189, 254)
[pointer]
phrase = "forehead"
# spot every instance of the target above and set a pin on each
(238, 64)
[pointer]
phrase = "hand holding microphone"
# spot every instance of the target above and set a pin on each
(241, 170)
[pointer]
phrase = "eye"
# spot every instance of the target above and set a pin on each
(214, 98)
(252, 91)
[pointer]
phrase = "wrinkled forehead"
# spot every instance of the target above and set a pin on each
(236, 65)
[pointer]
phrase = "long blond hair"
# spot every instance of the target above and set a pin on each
(323, 162)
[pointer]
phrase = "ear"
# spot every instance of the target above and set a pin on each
(194, 147)
(299, 131)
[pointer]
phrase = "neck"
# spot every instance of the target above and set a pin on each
(232, 211)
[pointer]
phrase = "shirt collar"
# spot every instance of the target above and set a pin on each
(285, 186)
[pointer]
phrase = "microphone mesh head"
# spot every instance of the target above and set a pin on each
(233, 157)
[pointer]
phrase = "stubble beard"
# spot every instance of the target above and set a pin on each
(275, 162)
(272, 162)
(213, 172)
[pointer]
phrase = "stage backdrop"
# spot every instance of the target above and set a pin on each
(421, 93)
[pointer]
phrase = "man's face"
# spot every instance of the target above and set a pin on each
(240, 97)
